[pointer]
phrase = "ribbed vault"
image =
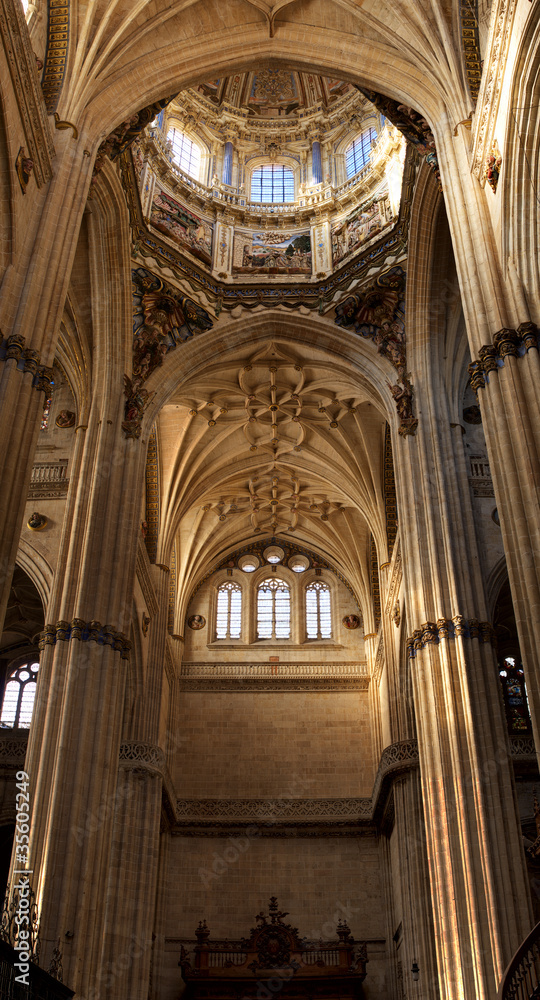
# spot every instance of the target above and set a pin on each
(272, 441)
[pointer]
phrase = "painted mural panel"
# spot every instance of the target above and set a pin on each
(364, 223)
(180, 225)
(272, 253)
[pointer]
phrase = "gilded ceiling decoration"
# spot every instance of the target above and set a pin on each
(272, 92)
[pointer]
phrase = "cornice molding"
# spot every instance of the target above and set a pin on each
(290, 684)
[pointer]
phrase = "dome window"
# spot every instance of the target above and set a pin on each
(185, 152)
(359, 151)
(272, 183)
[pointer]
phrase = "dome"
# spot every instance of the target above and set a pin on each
(273, 91)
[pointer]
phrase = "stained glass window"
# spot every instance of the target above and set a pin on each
(229, 611)
(318, 611)
(273, 610)
(186, 153)
(359, 151)
(272, 183)
(19, 695)
(515, 696)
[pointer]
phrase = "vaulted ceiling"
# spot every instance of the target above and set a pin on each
(273, 442)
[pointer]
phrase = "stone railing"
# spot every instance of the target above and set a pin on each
(271, 669)
(354, 190)
(49, 480)
(274, 676)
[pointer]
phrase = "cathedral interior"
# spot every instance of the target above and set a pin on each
(270, 533)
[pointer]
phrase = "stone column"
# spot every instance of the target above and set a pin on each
(227, 163)
(473, 836)
(316, 163)
(507, 379)
(33, 295)
(76, 732)
(130, 907)
(503, 340)
(417, 941)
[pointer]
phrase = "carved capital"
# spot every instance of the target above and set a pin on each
(506, 343)
(488, 358)
(529, 335)
(449, 628)
(93, 631)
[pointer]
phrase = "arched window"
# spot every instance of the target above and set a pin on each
(19, 697)
(272, 183)
(229, 611)
(318, 611)
(273, 610)
(359, 151)
(186, 153)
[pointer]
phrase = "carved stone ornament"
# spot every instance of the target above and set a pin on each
(351, 621)
(37, 522)
(396, 614)
(196, 622)
(24, 166)
(449, 628)
(137, 399)
(378, 312)
(145, 623)
(493, 166)
(66, 418)
(403, 396)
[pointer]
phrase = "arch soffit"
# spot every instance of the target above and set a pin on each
(37, 569)
(109, 74)
(354, 358)
(519, 187)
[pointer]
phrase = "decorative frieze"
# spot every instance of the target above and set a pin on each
(492, 84)
(38, 140)
(137, 756)
(56, 54)
(471, 45)
(12, 349)
(287, 816)
(92, 631)
(274, 677)
(507, 343)
(449, 628)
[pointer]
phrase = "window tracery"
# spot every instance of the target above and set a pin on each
(273, 610)
(19, 695)
(229, 611)
(318, 611)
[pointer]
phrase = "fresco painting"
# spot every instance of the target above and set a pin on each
(362, 225)
(271, 253)
(192, 232)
